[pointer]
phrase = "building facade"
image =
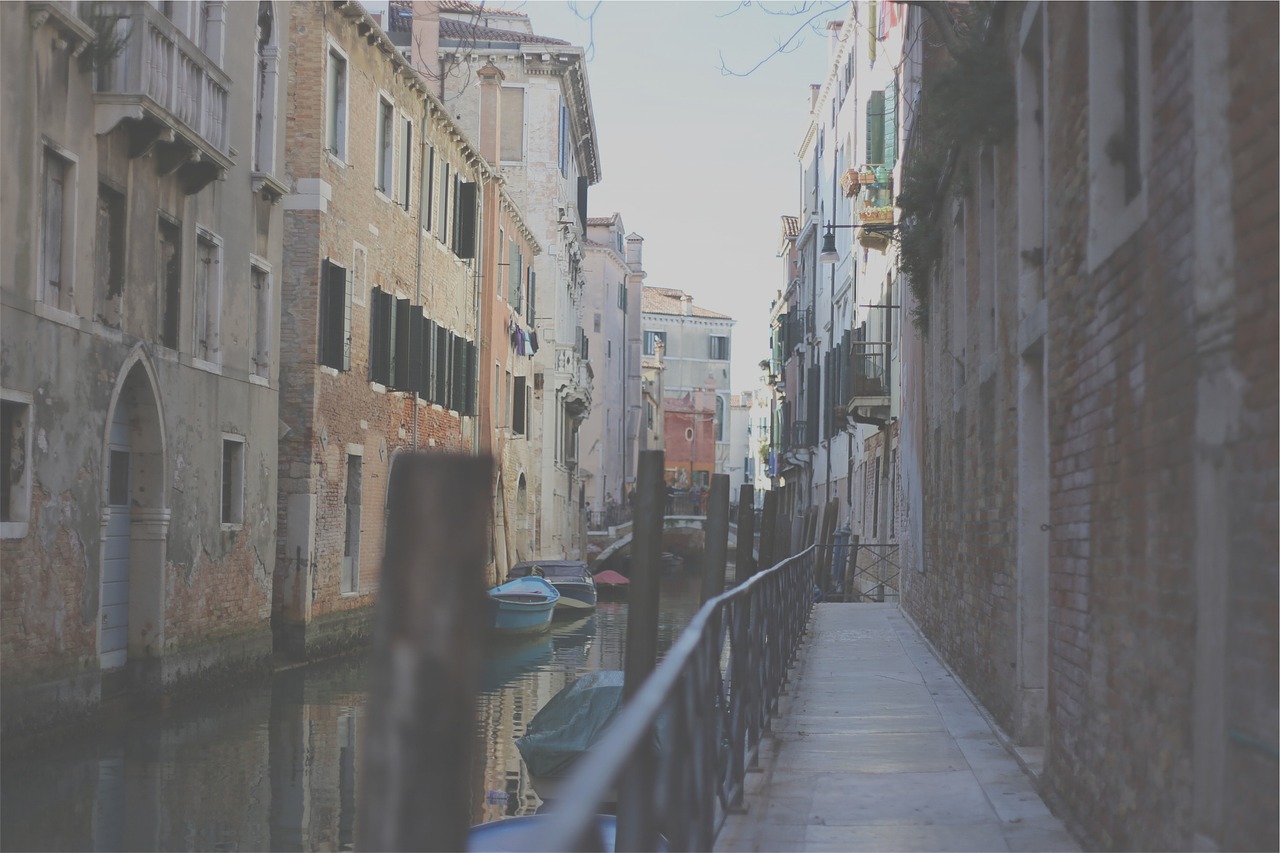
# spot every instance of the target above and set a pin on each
(609, 438)
(143, 260)
(547, 158)
(1088, 434)
(696, 382)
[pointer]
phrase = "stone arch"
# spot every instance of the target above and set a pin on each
(135, 518)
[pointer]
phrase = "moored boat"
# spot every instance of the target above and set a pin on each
(523, 605)
(571, 578)
(610, 584)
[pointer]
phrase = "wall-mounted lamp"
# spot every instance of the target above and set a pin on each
(829, 255)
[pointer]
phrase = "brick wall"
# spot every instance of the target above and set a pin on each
(1126, 426)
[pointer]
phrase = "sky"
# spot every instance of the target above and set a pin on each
(702, 165)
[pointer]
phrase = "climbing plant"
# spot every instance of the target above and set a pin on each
(965, 103)
(108, 42)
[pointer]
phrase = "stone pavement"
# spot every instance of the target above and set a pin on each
(877, 747)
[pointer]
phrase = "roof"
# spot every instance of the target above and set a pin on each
(463, 31)
(601, 220)
(478, 9)
(790, 226)
(668, 300)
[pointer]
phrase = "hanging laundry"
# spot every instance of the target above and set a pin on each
(533, 343)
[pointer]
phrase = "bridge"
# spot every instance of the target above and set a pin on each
(619, 536)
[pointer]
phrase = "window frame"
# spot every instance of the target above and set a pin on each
(384, 176)
(263, 314)
(211, 309)
(711, 347)
(64, 299)
(337, 104)
(16, 525)
(237, 485)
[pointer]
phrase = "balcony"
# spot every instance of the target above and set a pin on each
(172, 98)
(800, 435)
(868, 385)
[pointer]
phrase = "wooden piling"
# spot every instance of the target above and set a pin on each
(769, 529)
(745, 560)
(430, 630)
(646, 559)
(716, 551)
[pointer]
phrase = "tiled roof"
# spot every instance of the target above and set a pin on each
(478, 9)
(601, 220)
(668, 300)
(790, 226)
(462, 31)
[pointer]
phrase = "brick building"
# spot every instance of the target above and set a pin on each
(380, 338)
(1088, 434)
(138, 413)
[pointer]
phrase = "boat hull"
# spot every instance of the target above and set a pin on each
(523, 606)
(576, 597)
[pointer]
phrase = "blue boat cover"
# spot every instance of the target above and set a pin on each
(571, 722)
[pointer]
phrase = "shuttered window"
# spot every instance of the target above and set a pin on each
(428, 194)
(891, 123)
(533, 290)
(518, 397)
(458, 373)
(464, 243)
(583, 183)
(443, 351)
(514, 274)
(429, 360)
(875, 128)
(335, 316)
(382, 318)
(442, 220)
(403, 367)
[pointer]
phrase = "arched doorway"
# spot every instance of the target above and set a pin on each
(522, 520)
(135, 521)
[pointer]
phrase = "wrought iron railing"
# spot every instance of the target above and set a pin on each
(678, 751)
(869, 376)
(873, 571)
(610, 516)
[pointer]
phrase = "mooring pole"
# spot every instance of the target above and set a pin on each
(716, 551)
(430, 629)
(769, 530)
(745, 560)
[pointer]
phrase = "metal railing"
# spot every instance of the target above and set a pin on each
(610, 516)
(679, 750)
(869, 374)
(872, 573)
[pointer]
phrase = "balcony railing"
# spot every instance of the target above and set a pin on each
(161, 65)
(800, 434)
(869, 371)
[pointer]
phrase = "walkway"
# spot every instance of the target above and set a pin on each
(878, 748)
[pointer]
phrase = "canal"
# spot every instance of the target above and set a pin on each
(274, 766)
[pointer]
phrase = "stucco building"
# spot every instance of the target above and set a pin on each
(696, 380)
(142, 244)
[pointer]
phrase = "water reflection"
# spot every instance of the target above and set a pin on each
(274, 766)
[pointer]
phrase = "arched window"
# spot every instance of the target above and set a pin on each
(266, 80)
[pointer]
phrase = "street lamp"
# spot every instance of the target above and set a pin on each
(829, 255)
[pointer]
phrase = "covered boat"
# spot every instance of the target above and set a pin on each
(571, 578)
(610, 584)
(523, 605)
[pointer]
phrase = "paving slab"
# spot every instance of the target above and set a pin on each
(878, 747)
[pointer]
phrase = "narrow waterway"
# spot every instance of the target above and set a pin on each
(274, 766)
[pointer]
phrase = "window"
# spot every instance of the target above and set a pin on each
(444, 353)
(261, 278)
(406, 162)
(652, 340)
(108, 258)
(170, 276)
(382, 326)
(511, 138)
(428, 194)
(335, 137)
(533, 289)
(386, 144)
(464, 218)
(595, 322)
(351, 540)
(875, 128)
(264, 92)
(622, 296)
(15, 464)
(232, 479)
(719, 348)
(519, 402)
(506, 400)
(442, 218)
(208, 298)
(55, 245)
(719, 418)
(564, 140)
(515, 274)
(335, 316)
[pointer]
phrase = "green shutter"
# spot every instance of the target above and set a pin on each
(891, 123)
(875, 128)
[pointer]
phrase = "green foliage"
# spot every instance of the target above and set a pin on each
(967, 103)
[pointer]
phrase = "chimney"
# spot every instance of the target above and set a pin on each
(635, 251)
(687, 304)
(491, 78)
(425, 35)
(814, 89)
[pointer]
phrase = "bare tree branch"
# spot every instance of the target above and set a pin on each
(942, 20)
(791, 42)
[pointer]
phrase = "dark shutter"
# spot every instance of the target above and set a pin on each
(583, 183)
(467, 220)
(517, 406)
(333, 306)
(400, 369)
(453, 223)
(875, 128)
(472, 366)
(383, 311)
(442, 366)
(428, 196)
(533, 290)
(814, 390)
(459, 365)
(426, 346)
(443, 221)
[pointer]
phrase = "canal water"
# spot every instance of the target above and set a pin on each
(274, 766)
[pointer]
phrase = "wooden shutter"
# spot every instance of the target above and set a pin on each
(518, 406)
(533, 290)
(459, 378)
(403, 337)
(891, 123)
(472, 377)
(466, 214)
(583, 183)
(875, 128)
(348, 289)
(427, 360)
(333, 308)
(453, 225)
(383, 311)
(428, 194)
(442, 224)
(442, 366)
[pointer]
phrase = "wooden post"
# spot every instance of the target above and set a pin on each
(716, 552)
(829, 513)
(430, 628)
(646, 560)
(769, 530)
(745, 560)
(851, 571)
